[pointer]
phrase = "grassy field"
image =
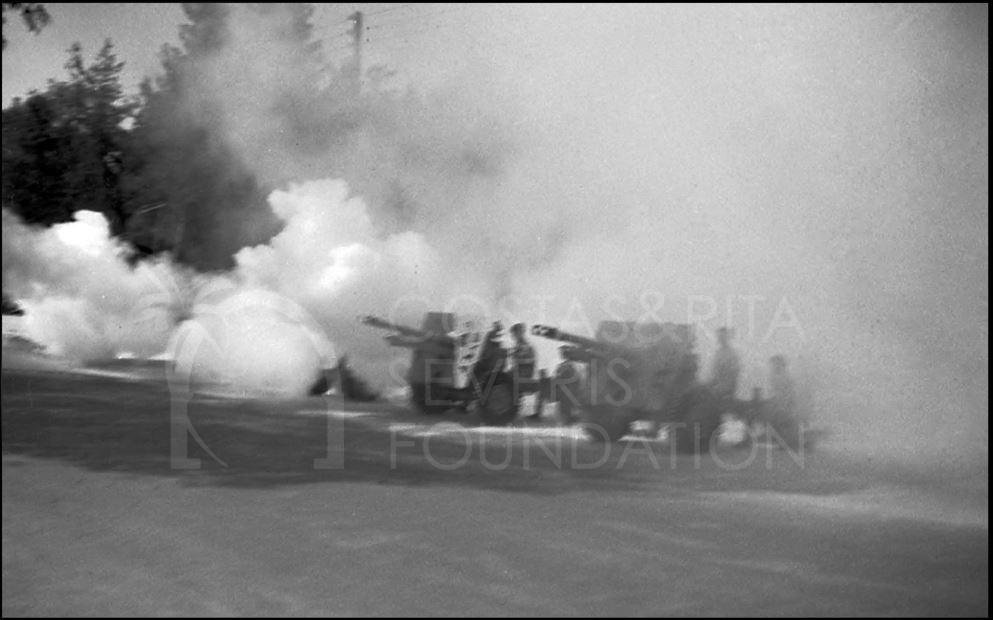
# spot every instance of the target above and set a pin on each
(438, 516)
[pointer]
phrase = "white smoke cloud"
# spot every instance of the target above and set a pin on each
(80, 296)
(83, 300)
(332, 260)
(813, 176)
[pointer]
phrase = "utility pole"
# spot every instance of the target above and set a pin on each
(357, 33)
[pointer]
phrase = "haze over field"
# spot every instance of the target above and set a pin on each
(814, 176)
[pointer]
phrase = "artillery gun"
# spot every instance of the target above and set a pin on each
(459, 367)
(641, 371)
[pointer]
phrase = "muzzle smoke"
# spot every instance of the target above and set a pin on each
(813, 177)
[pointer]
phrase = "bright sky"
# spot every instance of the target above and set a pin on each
(137, 30)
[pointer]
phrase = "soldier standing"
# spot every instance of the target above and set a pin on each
(782, 395)
(522, 353)
(524, 360)
(567, 386)
(726, 368)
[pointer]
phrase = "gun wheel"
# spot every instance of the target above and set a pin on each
(418, 400)
(567, 412)
(699, 420)
(500, 406)
(607, 424)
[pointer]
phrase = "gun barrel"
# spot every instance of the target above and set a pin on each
(555, 333)
(375, 321)
(409, 332)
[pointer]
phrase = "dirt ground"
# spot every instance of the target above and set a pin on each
(315, 507)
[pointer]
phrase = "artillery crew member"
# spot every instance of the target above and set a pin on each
(522, 353)
(726, 367)
(525, 361)
(492, 356)
(567, 385)
(780, 410)
(782, 395)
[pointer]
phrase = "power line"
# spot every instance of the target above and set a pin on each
(414, 18)
(387, 10)
(392, 29)
(394, 19)
(444, 11)
(393, 35)
(340, 48)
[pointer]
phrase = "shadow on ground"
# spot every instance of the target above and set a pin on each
(108, 424)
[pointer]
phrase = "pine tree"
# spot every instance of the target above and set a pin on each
(63, 147)
(214, 203)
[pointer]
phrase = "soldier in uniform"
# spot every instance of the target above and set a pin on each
(781, 407)
(568, 386)
(492, 356)
(726, 368)
(524, 361)
(522, 354)
(775, 416)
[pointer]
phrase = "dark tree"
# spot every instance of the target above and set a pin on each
(34, 15)
(35, 162)
(213, 204)
(9, 307)
(63, 148)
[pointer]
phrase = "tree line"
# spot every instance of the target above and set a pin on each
(161, 172)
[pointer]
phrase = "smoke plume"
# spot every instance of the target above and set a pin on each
(815, 177)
